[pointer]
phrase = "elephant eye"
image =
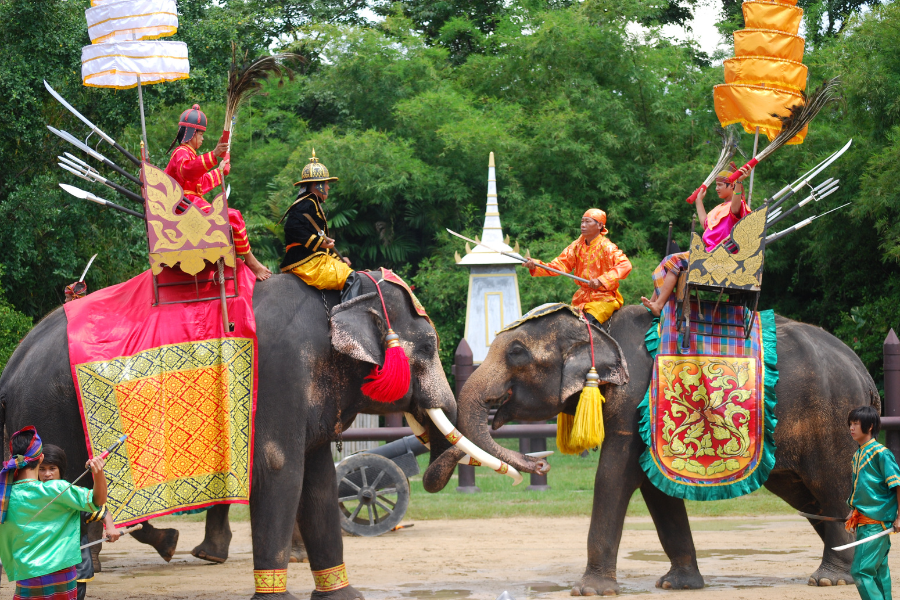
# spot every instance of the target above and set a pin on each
(426, 349)
(517, 354)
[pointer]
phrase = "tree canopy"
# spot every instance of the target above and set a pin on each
(404, 109)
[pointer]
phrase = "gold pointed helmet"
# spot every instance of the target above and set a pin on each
(314, 171)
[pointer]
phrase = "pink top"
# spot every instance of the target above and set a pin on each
(723, 224)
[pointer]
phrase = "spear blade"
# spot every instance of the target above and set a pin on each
(90, 262)
(93, 127)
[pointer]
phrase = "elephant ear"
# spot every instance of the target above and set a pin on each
(355, 329)
(608, 359)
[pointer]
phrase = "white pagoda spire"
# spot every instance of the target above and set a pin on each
(493, 297)
(492, 233)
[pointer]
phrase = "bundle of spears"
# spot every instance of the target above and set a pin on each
(245, 79)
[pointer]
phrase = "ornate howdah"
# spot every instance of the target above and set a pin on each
(189, 238)
(741, 270)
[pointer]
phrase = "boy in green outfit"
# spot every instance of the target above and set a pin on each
(874, 498)
(40, 554)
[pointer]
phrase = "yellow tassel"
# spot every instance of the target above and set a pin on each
(564, 434)
(587, 430)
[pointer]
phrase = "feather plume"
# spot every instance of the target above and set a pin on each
(247, 76)
(729, 147)
(798, 117)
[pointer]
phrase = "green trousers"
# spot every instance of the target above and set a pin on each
(870, 568)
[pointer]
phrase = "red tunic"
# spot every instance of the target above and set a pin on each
(198, 175)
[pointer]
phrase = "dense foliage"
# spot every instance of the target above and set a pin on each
(405, 110)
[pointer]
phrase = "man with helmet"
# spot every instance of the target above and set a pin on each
(198, 175)
(309, 250)
(595, 258)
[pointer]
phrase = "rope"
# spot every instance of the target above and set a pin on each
(384, 308)
(590, 337)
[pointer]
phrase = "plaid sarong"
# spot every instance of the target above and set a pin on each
(701, 341)
(678, 262)
(55, 586)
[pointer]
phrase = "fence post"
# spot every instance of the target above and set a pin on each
(462, 369)
(892, 389)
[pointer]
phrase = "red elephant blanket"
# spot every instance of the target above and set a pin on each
(180, 387)
(708, 418)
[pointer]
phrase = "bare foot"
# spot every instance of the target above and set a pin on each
(654, 307)
(260, 270)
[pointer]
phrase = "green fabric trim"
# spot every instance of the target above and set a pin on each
(766, 461)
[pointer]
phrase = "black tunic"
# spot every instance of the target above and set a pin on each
(301, 239)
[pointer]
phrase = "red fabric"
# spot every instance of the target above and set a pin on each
(192, 172)
(121, 320)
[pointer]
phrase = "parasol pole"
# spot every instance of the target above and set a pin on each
(145, 153)
(753, 172)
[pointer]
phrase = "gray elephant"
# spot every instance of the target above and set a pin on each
(537, 369)
(309, 387)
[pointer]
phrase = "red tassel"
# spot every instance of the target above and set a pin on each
(390, 382)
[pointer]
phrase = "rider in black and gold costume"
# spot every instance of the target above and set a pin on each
(309, 251)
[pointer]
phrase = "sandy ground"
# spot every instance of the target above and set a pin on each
(741, 558)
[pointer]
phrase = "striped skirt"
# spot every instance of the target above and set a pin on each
(55, 586)
(676, 262)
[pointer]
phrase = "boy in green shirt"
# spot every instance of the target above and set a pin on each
(40, 554)
(874, 496)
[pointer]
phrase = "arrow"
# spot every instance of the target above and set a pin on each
(103, 455)
(83, 195)
(93, 153)
(93, 127)
(517, 257)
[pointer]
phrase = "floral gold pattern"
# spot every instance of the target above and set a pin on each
(742, 270)
(189, 239)
(707, 416)
(453, 437)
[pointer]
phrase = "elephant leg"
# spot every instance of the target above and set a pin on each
(823, 499)
(618, 476)
(320, 526)
(277, 484)
(671, 521)
(214, 546)
(163, 541)
(298, 550)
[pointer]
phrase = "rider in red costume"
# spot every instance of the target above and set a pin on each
(198, 174)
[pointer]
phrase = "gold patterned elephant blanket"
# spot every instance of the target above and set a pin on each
(171, 379)
(708, 417)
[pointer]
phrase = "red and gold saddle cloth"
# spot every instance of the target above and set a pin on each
(708, 417)
(180, 387)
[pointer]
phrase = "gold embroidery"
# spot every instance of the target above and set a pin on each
(272, 581)
(330, 580)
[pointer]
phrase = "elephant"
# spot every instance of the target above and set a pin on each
(537, 369)
(314, 354)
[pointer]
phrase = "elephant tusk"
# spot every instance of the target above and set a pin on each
(457, 439)
(418, 430)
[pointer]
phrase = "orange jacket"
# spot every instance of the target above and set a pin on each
(601, 259)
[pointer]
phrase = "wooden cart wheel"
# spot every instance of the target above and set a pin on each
(373, 494)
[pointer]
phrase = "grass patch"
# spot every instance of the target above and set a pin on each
(571, 493)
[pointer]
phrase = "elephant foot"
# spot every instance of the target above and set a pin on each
(595, 585)
(282, 596)
(681, 578)
(347, 593)
(212, 551)
(827, 575)
(163, 541)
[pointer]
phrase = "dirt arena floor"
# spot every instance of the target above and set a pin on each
(741, 558)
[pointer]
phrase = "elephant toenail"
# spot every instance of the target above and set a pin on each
(825, 582)
(842, 582)
(666, 585)
(812, 581)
